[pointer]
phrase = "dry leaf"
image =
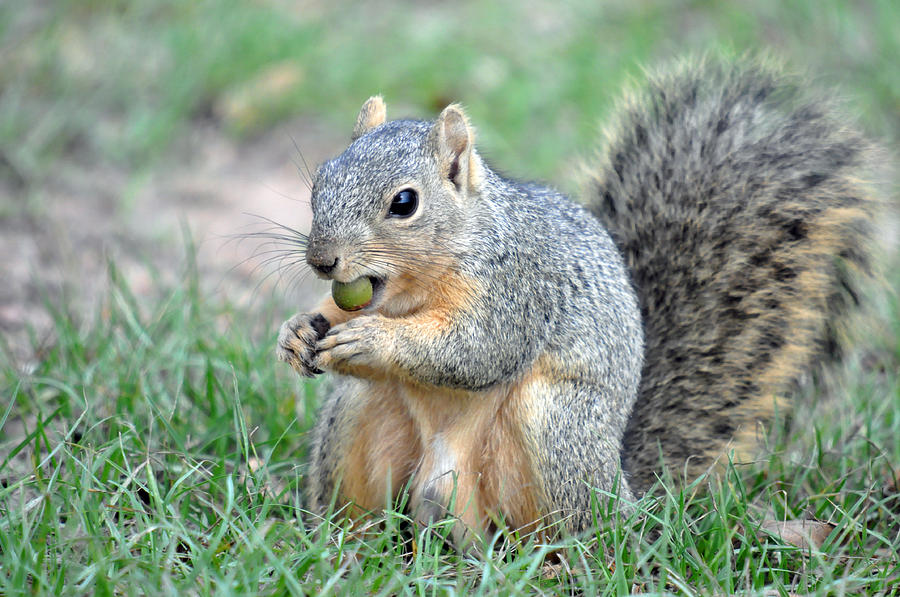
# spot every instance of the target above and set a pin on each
(549, 570)
(892, 476)
(800, 533)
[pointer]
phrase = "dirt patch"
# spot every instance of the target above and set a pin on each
(58, 238)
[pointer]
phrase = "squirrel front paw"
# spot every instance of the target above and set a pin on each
(297, 341)
(358, 347)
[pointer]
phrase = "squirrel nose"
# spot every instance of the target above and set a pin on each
(326, 268)
(321, 260)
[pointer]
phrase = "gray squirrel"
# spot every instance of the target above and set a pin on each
(519, 349)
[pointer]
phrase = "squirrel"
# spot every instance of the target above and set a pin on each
(521, 350)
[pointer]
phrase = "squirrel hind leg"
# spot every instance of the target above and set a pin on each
(571, 462)
(363, 450)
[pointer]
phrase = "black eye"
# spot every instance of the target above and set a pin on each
(404, 204)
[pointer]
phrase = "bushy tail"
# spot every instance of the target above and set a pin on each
(736, 201)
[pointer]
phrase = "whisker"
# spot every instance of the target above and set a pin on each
(299, 276)
(295, 277)
(309, 175)
(278, 261)
(275, 239)
(396, 268)
(284, 227)
(444, 250)
(422, 279)
(419, 265)
(286, 196)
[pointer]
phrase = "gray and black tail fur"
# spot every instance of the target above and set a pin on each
(736, 200)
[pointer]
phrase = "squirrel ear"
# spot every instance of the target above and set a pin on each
(453, 140)
(372, 114)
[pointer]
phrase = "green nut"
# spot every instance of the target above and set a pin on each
(352, 296)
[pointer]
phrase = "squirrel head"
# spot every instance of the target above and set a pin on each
(394, 205)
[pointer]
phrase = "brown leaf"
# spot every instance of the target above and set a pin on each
(255, 464)
(892, 478)
(800, 533)
(550, 571)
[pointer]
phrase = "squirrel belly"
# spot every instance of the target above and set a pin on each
(519, 349)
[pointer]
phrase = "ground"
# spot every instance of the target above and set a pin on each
(212, 188)
(148, 441)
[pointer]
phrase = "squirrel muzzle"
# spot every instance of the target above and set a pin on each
(324, 258)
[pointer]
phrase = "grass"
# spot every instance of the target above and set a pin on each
(164, 453)
(153, 445)
(119, 80)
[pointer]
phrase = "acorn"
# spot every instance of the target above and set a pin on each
(352, 296)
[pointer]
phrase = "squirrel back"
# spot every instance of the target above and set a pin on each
(735, 201)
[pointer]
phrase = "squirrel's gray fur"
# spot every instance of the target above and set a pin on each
(735, 221)
(735, 198)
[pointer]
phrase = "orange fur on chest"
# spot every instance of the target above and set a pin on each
(429, 295)
(464, 453)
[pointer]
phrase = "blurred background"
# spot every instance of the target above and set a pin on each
(140, 132)
(144, 142)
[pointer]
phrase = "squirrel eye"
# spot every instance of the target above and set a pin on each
(404, 204)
